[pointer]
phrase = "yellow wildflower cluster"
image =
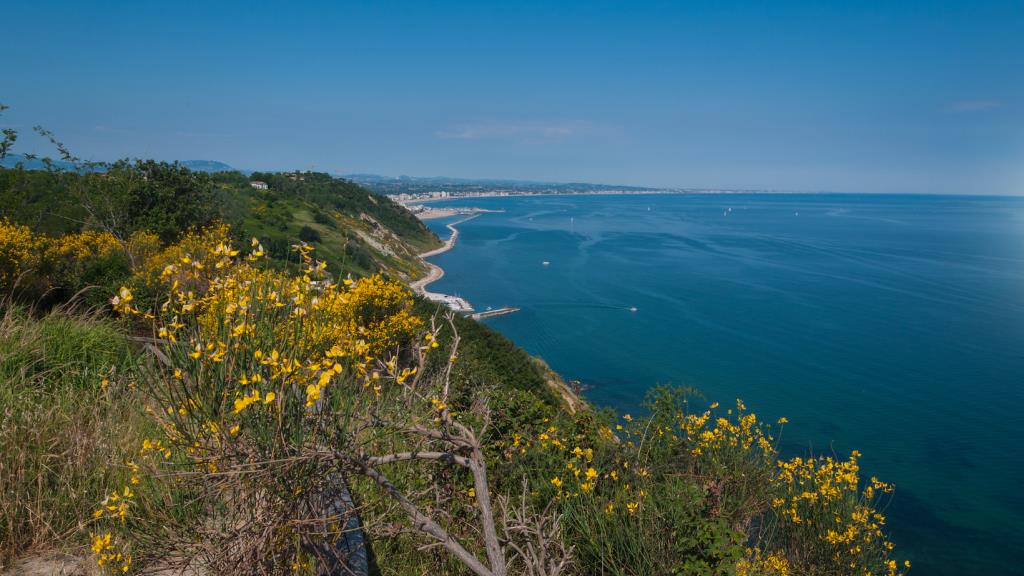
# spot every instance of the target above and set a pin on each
(115, 505)
(738, 432)
(823, 499)
(259, 347)
(759, 564)
(376, 310)
(239, 308)
(45, 262)
(259, 364)
(612, 486)
(19, 251)
(84, 245)
(197, 249)
(108, 558)
(155, 446)
(582, 470)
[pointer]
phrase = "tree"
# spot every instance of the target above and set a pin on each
(10, 135)
(307, 234)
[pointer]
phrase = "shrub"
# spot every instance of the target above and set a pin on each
(19, 253)
(307, 234)
(272, 389)
(827, 521)
(36, 265)
(323, 219)
(679, 491)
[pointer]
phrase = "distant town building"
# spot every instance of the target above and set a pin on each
(259, 185)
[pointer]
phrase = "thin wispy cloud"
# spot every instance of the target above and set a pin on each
(974, 105)
(521, 131)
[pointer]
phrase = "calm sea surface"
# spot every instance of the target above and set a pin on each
(889, 324)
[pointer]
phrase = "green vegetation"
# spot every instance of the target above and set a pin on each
(489, 360)
(66, 428)
(128, 197)
(359, 233)
(356, 231)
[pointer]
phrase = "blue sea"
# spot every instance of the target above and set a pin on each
(889, 324)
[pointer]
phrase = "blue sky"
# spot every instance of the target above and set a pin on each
(843, 96)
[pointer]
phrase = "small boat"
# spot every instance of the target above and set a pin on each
(632, 308)
(546, 263)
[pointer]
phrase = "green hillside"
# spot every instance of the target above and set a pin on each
(356, 231)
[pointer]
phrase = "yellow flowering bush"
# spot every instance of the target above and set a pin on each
(827, 520)
(39, 263)
(632, 500)
(83, 245)
(734, 455)
(19, 252)
(263, 376)
(701, 492)
(157, 267)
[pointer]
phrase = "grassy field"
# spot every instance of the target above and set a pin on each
(66, 426)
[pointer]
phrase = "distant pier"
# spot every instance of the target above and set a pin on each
(495, 312)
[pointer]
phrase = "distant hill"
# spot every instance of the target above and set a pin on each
(12, 160)
(206, 166)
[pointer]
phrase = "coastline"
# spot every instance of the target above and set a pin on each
(508, 195)
(435, 273)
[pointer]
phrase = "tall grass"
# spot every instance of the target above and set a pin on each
(64, 434)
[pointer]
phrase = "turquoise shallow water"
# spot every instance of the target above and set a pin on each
(889, 324)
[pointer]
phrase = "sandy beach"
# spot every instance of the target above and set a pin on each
(432, 213)
(435, 273)
(435, 213)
